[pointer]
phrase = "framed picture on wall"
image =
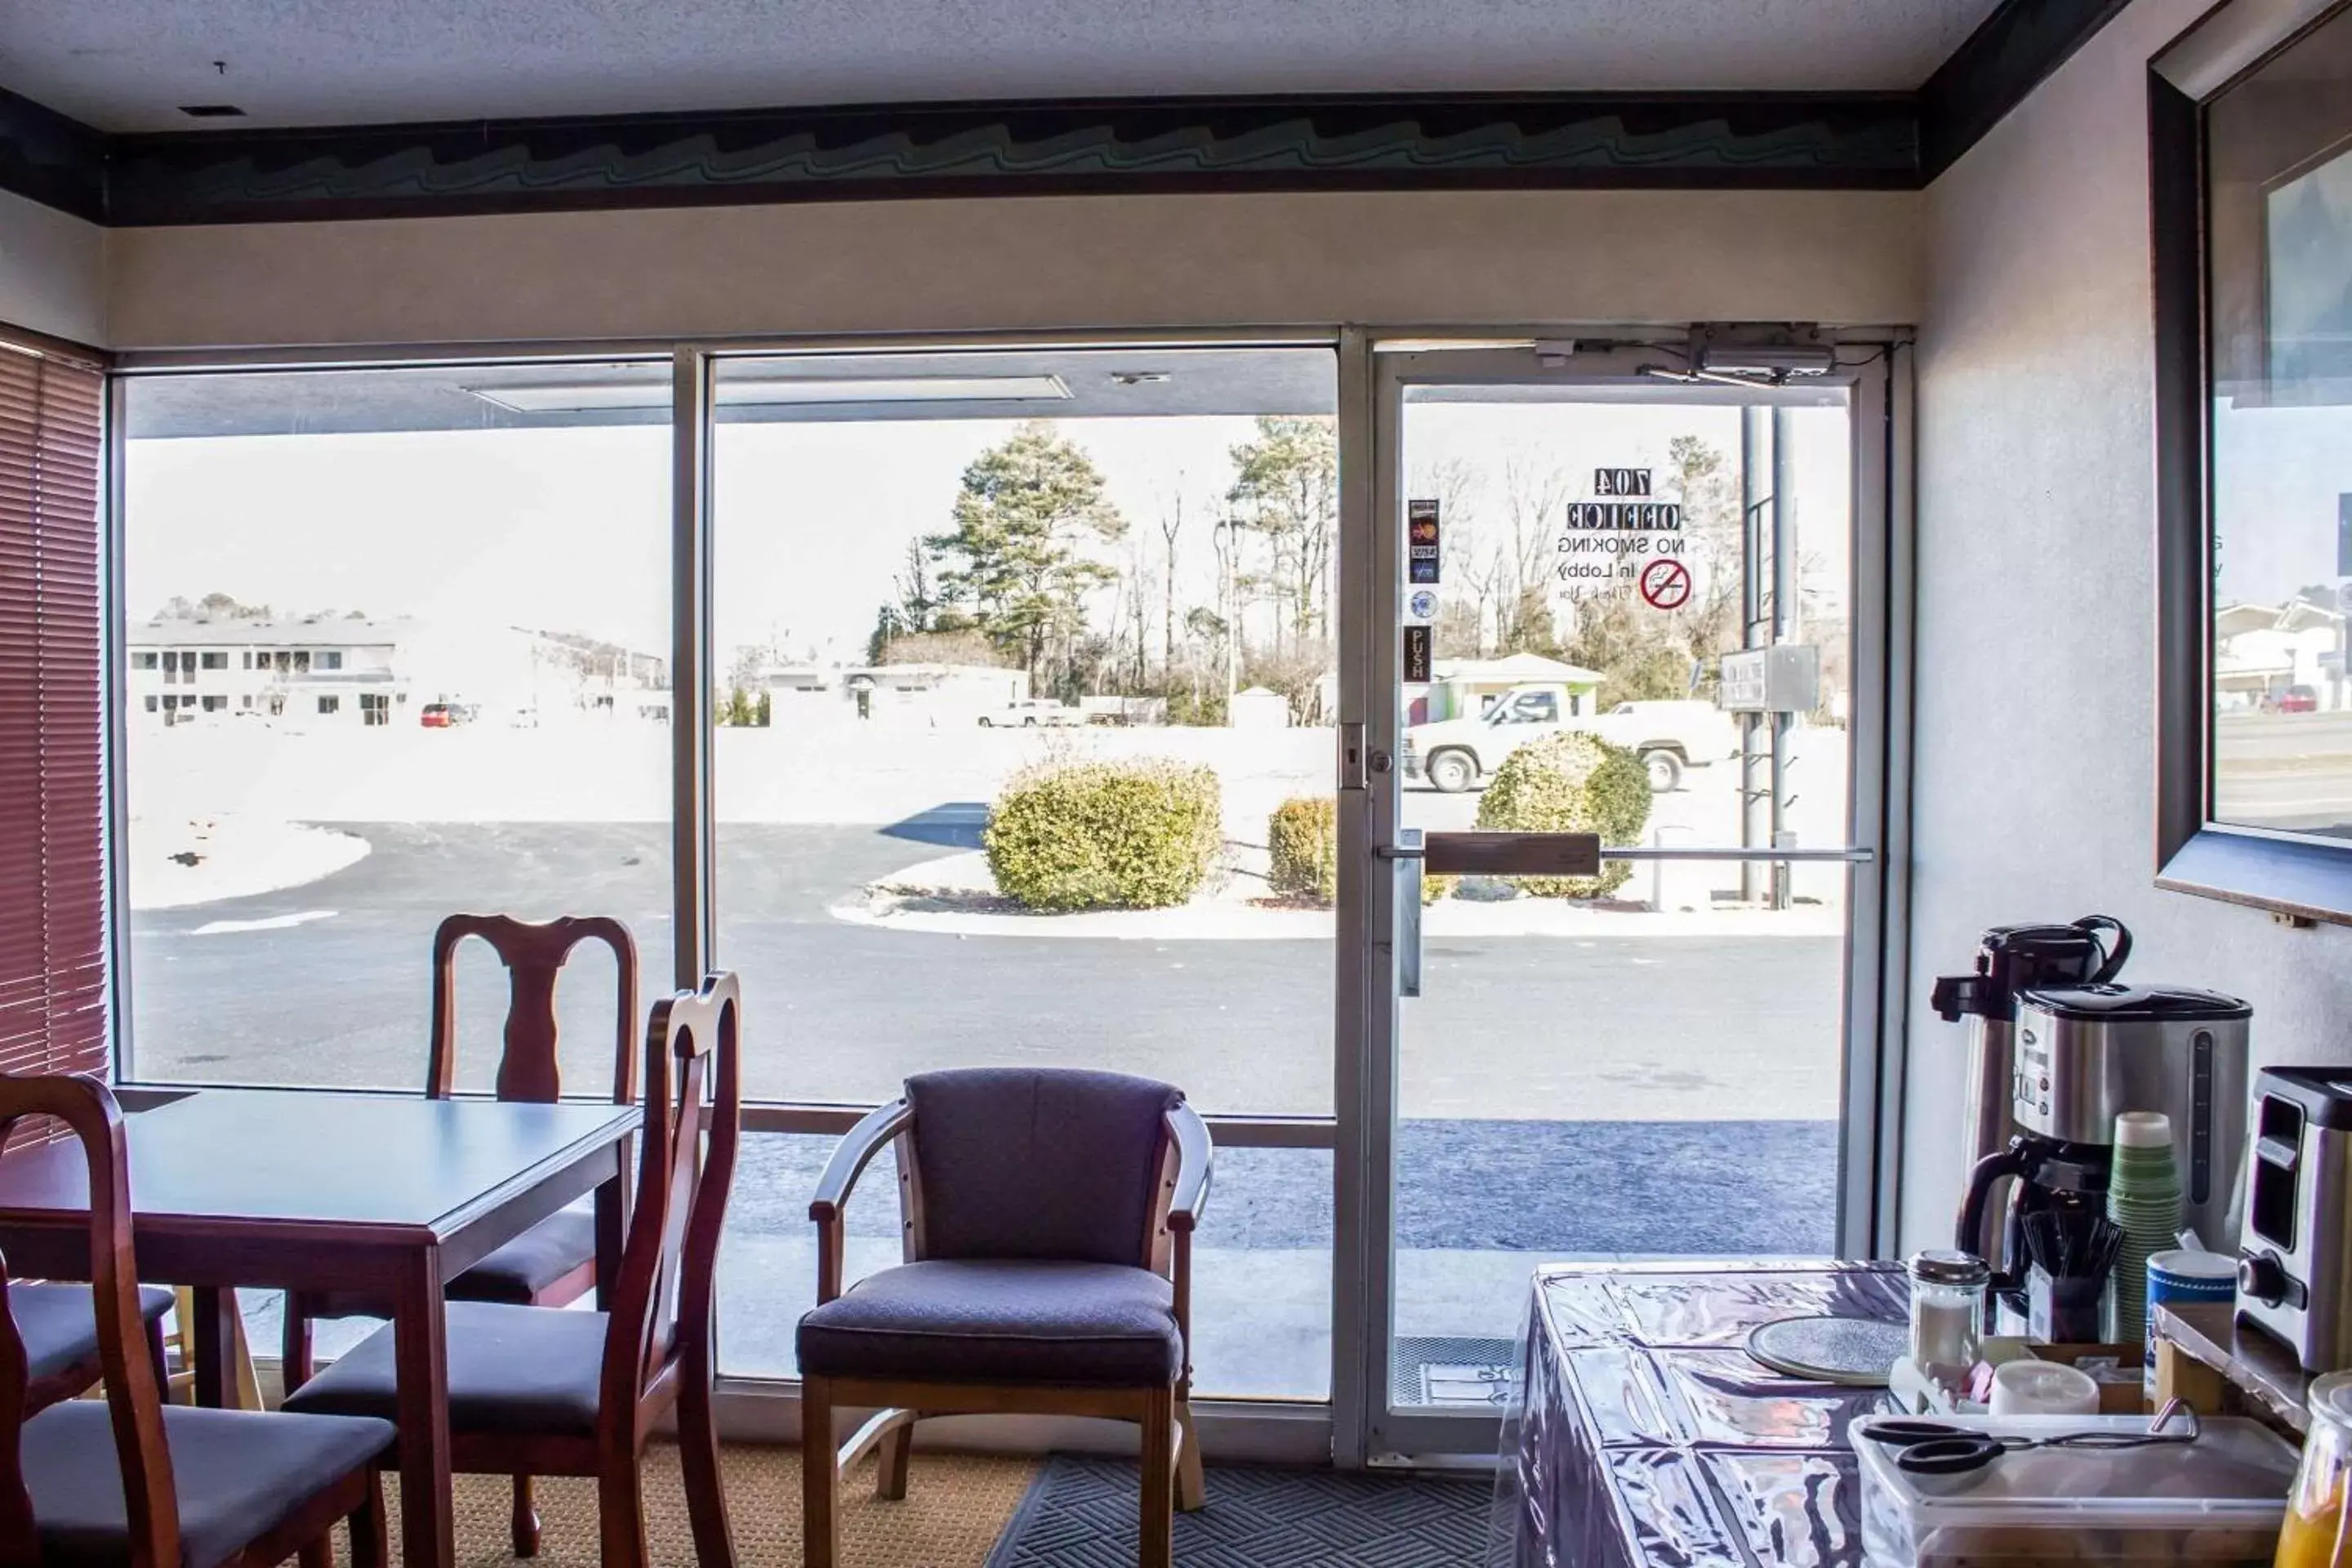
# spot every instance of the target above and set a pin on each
(2251, 159)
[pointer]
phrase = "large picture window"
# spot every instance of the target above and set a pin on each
(410, 634)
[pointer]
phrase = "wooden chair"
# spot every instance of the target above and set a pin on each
(554, 1262)
(1048, 1220)
(540, 1391)
(58, 1326)
(130, 1480)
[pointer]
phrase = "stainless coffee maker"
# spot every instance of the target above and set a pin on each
(2086, 1054)
(2011, 960)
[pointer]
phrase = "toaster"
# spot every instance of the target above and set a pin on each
(2294, 1261)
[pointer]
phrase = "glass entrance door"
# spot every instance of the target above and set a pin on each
(1624, 745)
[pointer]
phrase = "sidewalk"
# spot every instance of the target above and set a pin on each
(954, 895)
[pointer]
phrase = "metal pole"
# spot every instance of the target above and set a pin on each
(1753, 470)
(1784, 624)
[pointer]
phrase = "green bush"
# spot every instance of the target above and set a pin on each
(1093, 835)
(1570, 783)
(1303, 836)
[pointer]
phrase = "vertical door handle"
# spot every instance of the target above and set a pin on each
(1407, 863)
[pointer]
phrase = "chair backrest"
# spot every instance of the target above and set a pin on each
(134, 1401)
(663, 1300)
(1036, 1163)
(534, 956)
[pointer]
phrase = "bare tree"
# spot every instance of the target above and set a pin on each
(1534, 498)
(1171, 529)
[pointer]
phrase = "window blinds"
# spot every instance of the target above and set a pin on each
(53, 945)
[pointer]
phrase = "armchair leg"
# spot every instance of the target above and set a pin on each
(890, 1462)
(1191, 1486)
(1156, 1545)
(820, 1478)
(522, 1527)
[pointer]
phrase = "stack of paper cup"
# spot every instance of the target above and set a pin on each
(2144, 1200)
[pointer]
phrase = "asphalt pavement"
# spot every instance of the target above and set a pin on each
(1636, 1094)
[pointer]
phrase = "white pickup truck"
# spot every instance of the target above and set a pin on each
(1669, 737)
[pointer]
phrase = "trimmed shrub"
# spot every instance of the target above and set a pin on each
(1303, 836)
(1570, 783)
(1105, 836)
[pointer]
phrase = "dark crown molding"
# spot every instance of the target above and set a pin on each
(55, 161)
(2012, 52)
(1477, 141)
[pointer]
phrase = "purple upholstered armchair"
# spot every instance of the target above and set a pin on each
(1048, 1218)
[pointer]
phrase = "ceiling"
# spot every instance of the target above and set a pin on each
(131, 65)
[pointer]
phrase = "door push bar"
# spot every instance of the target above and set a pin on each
(1538, 866)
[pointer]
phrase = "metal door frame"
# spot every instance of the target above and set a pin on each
(1374, 373)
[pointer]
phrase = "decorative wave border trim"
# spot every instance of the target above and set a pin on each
(1694, 141)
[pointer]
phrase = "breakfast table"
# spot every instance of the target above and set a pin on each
(1644, 1437)
(387, 1196)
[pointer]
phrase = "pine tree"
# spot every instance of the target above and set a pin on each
(1028, 509)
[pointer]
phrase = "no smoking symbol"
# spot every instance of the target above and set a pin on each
(1666, 584)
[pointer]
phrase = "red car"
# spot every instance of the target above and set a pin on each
(2299, 700)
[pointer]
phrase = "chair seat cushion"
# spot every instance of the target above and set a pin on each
(239, 1475)
(532, 1261)
(512, 1369)
(999, 1321)
(59, 1325)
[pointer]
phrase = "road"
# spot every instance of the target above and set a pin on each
(326, 984)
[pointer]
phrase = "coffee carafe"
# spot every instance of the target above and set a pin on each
(2011, 960)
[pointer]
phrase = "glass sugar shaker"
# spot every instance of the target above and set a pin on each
(1947, 1301)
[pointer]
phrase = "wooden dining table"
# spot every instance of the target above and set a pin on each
(385, 1196)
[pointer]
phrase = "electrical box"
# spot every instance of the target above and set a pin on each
(1785, 679)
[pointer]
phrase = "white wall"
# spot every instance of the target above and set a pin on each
(2035, 792)
(52, 271)
(1477, 258)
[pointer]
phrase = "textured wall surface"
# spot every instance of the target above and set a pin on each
(52, 271)
(1473, 258)
(2035, 792)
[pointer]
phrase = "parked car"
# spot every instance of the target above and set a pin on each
(2299, 700)
(1670, 737)
(1031, 714)
(446, 715)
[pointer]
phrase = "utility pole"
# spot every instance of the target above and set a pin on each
(1784, 626)
(1755, 820)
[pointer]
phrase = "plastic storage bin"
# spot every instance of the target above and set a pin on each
(2218, 1500)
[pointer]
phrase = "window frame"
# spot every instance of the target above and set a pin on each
(2301, 879)
(1273, 1430)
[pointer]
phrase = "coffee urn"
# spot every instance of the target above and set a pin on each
(2011, 958)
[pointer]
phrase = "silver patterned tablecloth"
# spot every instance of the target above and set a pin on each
(1645, 1437)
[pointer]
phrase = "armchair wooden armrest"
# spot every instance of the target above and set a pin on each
(1193, 1159)
(855, 1150)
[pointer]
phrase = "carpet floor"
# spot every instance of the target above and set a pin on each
(956, 1507)
(1081, 1513)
